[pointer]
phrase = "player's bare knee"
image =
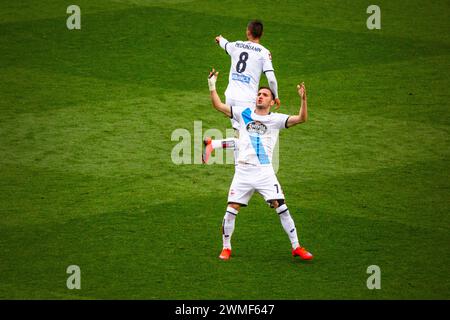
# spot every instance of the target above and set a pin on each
(276, 203)
(235, 206)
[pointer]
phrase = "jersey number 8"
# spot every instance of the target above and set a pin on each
(241, 65)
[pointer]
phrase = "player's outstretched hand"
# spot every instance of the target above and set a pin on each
(213, 74)
(218, 38)
(301, 90)
(212, 78)
(277, 103)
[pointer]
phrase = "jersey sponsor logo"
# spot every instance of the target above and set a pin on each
(255, 139)
(240, 77)
(256, 128)
(247, 46)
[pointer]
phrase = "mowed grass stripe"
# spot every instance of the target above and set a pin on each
(112, 37)
(158, 271)
(98, 141)
(411, 21)
(18, 12)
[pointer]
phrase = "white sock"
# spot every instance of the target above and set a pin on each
(288, 225)
(235, 149)
(224, 143)
(228, 226)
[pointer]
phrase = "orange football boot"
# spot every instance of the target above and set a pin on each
(302, 253)
(207, 149)
(225, 254)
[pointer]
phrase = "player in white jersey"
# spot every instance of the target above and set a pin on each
(258, 134)
(248, 60)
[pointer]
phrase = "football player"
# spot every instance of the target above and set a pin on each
(249, 59)
(258, 134)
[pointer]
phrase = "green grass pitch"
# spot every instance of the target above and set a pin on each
(86, 176)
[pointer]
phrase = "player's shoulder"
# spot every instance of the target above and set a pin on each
(278, 115)
(240, 111)
(279, 120)
(265, 53)
(241, 108)
(261, 48)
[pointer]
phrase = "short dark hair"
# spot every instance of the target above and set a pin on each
(256, 28)
(264, 87)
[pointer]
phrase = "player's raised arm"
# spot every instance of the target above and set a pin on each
(303, 113)
(273, 85)
(222, 42)
(270, 75)
(215, 99)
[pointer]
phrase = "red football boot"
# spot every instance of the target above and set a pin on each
(225, 254)
(302, 253)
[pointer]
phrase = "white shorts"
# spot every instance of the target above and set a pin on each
(242, 103)
(248, 179)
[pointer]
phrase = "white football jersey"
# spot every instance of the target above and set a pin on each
(258, 135)
(248, 61)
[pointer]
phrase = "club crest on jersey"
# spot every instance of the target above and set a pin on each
(256, 128)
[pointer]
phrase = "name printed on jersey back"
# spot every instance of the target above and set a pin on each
(241, 45)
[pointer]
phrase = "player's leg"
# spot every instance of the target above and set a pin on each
(289, 227)
(271, 190)
(228, 228)
(228, 143)
(209, 145)
(239, 195)
(286, 220)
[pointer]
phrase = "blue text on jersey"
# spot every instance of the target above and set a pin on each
(240, 77)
